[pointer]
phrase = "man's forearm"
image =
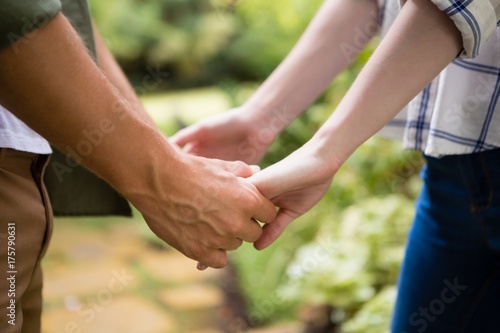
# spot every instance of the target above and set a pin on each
(53, 85)
(116, 76)
(421, 43)
(340, 29)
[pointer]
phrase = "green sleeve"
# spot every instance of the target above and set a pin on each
(78, 14)
(19, 18)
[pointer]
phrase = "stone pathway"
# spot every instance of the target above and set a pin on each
(103, 276)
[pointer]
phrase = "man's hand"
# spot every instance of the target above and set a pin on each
(231, 136)
(205, 209)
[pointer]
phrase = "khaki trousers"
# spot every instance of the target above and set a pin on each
(25, 229)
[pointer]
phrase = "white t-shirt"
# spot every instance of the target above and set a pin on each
(17, 135)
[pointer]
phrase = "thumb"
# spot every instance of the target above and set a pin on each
(271, 231)
(267, 182)
(214, 259)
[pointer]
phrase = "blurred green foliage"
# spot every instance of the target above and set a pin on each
(201, 42)
(375, 315)
(178, 36)
(350, 261)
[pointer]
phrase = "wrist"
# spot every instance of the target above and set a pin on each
(133, 166)
(328, 153)
(265, 121)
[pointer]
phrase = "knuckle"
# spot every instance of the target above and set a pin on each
(217, 241)
(240, 164)
(234, 227)
(254, 204)
(237, 166)
(255, 235)
(202, 129)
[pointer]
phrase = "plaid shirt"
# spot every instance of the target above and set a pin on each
(459, 111)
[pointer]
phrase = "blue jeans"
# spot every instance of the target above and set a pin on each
(450, 278)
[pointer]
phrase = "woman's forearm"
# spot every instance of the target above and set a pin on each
(340, 29)
(421, 43)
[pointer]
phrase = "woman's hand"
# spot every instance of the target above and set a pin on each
(295, 185)
(231, 136)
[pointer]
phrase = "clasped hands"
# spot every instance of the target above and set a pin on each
(233, 195)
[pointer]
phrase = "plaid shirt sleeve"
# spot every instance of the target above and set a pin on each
(20, 18)
(477, 20)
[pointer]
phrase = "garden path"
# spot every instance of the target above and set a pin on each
(106, 275)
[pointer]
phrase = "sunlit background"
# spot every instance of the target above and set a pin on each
(333, 270)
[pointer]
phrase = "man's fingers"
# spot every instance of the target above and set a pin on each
(233, 244)
(272, 231)
(251, 231)
(267, 212)
(201, 267)
(218, 258)
(214, 258)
